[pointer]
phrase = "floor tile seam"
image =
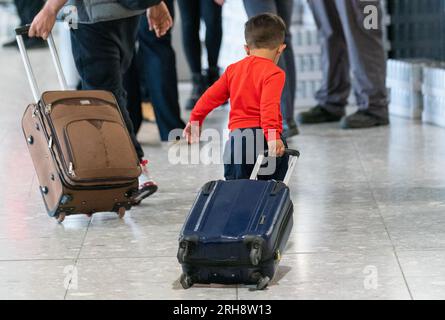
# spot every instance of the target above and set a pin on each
(76, 261)
(381, 216)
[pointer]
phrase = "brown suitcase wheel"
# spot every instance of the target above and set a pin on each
(121, 212)
(186, 281)
(60, 217)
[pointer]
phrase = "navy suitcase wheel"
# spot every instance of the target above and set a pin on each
(237, 230)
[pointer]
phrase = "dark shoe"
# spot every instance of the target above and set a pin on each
(10, 44)
(145, 190)
(317, 115)
(146, 185)
(198, 89)
(361, 120)
(291, 129)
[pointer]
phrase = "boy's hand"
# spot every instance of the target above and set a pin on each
(192, 132)
(220, 2)
(44, 21)
(159, 19)
(276, 148)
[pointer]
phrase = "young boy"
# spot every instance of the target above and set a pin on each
(254, 86)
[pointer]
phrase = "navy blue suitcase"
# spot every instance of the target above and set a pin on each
(237, 231)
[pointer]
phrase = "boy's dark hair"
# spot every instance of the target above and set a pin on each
(265, 31)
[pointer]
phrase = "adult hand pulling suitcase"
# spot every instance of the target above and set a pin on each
(80, 147)
(237, 230)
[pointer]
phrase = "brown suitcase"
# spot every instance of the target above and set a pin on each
(80, 147)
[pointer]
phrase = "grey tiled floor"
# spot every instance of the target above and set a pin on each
(369, 218)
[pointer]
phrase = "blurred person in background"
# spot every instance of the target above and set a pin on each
(192, 11)
(284, 9)
(27, 10)
(152, 75)
(347, 45)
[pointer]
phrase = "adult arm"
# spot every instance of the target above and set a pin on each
(159, 19)
(44, 21)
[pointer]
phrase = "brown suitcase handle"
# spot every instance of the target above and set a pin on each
(20, 32)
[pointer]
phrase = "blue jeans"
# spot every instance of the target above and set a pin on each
(153, 73)
(242, 150)
(102, 53)
(284, 9)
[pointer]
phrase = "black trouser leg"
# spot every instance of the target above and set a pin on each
(211, 13)
(190, 19)
(103, 52)
(133, 87)
(158, 64)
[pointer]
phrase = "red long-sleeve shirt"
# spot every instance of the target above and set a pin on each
(254, 86)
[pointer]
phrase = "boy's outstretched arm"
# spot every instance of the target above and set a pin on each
(271, 119)
(214, 97)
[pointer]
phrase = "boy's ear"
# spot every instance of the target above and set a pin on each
(246, 47)
(281, 48)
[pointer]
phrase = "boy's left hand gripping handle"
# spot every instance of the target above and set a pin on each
(293, 156)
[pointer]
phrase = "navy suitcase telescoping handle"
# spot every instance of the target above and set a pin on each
(20, 32)
(293, 157)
